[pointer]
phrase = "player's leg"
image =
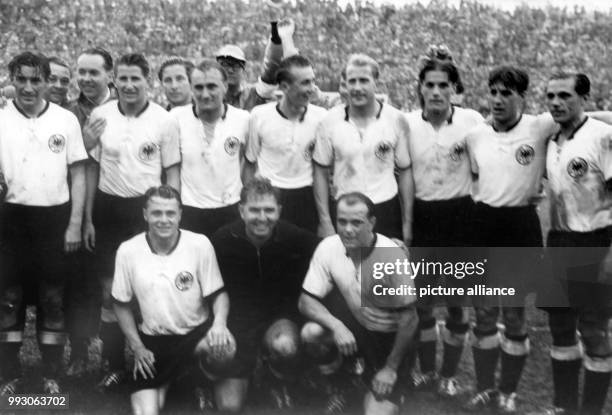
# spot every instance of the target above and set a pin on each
(514, 351)
(146, 402)
(428, 340)
(454, 337)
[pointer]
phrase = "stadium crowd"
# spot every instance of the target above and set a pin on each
(263, 202)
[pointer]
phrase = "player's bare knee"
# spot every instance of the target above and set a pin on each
(144, 403)
(283, 346)
(312, 333)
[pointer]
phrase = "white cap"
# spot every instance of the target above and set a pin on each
(231, 51)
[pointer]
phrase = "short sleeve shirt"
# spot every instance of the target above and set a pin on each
(577, 173)
(133, 150)
(330, 266)
(281, 147)
(510, 164)
(171, 289)
(210, 169)
(440, 161)
(364, 160)
(35, 154)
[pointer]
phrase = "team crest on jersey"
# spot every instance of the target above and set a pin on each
(382, 150)
(183, 280)
(309, 150)
(457, 152)
(147, 151)
(57, 142)
(524, 154)
(231, 145)
(577, 167)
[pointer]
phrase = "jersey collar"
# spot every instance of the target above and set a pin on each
(139, 112)
(346, 111)
(22, 112)
(511, 127)
(367, 250)
(449, 120)
(302, 116)
(578, 127)
(171, 249)
(195, 112)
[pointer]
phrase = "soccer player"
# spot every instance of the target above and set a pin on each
(264, 261)
(139, 142)
(174, 277)
(93, 75)
(41, 157)
(340, 323)
(212, 136)
(442, 206)
(579, 171)
(508, 159)
(282, 138)
(174, 77)
(364, 142)
(246, 96)
(59, 81)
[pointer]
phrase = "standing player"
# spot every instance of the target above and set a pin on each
(364, 142)
(443, 182)
(212, 135)
(139, 142)
(340, 323)
(579, 170)
(174, 277)
(174, 77)
(263, 260)
(282, 138)
(40, 149)
(59, 81)
(508, 160)
(246, 96)
(93, 75)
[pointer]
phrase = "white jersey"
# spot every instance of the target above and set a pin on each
(171, 289)
(210, 169)
(35, 154)
(133, 150)
(510, 165)
(440, 162)
(364, 160)
(577, 173)
(281, 147)
(330, 266)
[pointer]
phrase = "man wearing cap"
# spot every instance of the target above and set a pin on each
(231, 57)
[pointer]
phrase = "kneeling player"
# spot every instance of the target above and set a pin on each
(381, 335)
(174, 277)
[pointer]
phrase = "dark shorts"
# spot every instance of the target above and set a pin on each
(174, 355)
(299, 208)
(442, 222)
(506, 226)
(207, 221)
(116, 220)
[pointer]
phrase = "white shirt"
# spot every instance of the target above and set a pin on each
(35, 154)
(577, 173)
(330, 266)
(133, 150)
(170, 289)
(440, 161)
(364, 160)
(210, 170)
(510, 164)
(281, 147)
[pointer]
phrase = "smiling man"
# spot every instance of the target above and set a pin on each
(138, 143)
(282, 139)
(263, 261)
(59, 81)
(174, 277)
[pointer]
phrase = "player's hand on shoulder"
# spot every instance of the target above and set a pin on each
(384, 380)
(144, 363)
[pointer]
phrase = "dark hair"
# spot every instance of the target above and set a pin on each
(440, 65)
(259, 186)
(175, 60)
(284, 69)
(106, 56)
(510, 77)
(134, 59)
(206, 65)
(582, 83)
(165, 192)
(32, 60)
(59, 62)
(360, 59)
(354, 198)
